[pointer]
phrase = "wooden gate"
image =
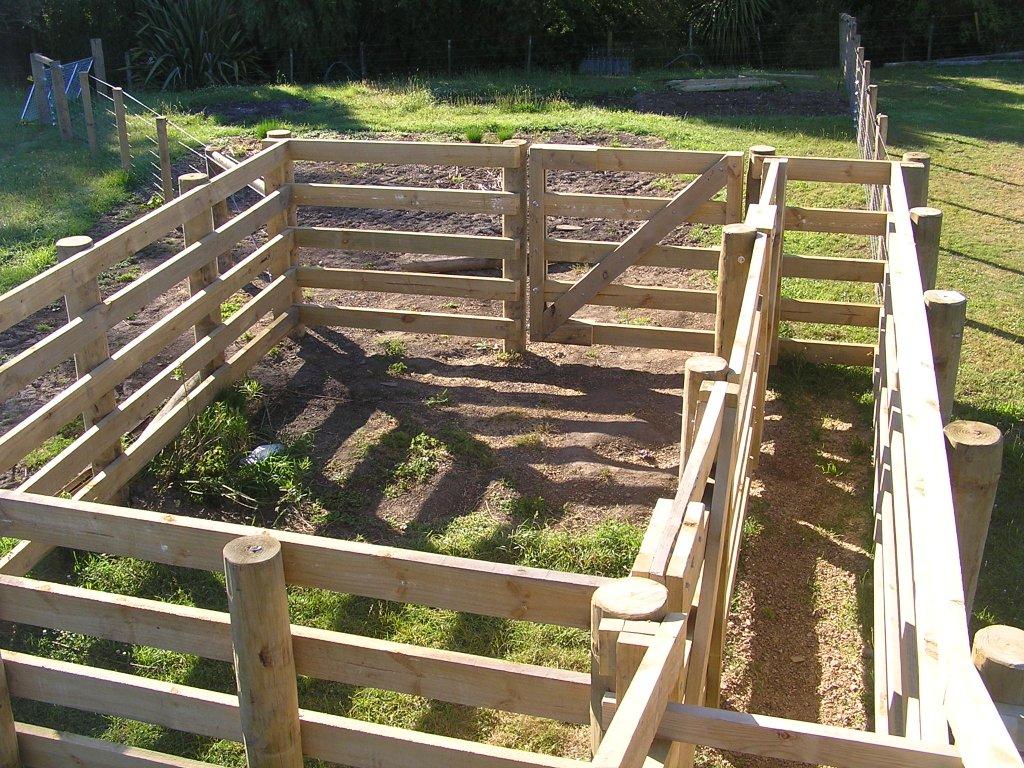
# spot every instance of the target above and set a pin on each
(554, 302)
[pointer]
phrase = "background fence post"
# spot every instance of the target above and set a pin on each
(733, 266)
(947, 314)
(90, 119)
(164, 151)
(264, 662)
(927, 225)
(514, 226)
(629, 599)
(99, 61)
(81, 299)
(974, 451)
(39, 92)
(9, 754)
(194, 230)
(917, 186)
(60, 101)
(120, 118)
(697, 370)
(755, 169)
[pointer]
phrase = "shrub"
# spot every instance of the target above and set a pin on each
(191, 43)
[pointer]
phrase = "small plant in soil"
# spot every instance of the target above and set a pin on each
(531, 441)
(474, 134)
(504, 134)
(232, 305)
(438, 399)
(393, 348)
(422, 461)
(210, 459)
(510, 358)
(398, 369)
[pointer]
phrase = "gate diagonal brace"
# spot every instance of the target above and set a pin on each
(637, 245)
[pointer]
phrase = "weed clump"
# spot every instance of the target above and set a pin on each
(422, 461)
(209, 460)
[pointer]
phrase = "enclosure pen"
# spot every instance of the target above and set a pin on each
(657, 636)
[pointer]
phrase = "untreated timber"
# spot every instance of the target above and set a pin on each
(388, 573)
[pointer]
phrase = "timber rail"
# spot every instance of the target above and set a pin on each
(657, 637)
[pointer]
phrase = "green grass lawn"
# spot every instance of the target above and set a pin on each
(968, 119)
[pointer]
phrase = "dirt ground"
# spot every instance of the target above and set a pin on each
(593, 431)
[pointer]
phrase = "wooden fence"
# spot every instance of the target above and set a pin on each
(657, 636)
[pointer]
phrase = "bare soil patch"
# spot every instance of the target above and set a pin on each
(252, 111)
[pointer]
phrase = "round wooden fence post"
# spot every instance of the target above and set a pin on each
(927, 225)
(698, 369)
(632, 599)
(264, 662)
(733, 267)
(918, 197)
(999, 657)
(755, 168)
(947, 314)
(974, 451)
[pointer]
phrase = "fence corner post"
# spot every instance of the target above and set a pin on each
(264, 660)
(513, 179)
(733, 266)
(285, 175)
(974, 451)
(630, 599)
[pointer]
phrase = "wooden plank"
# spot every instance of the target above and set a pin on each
(47, 420)
(572, 157)
(784, 739)
(48, 286)
(837, 220)
(658, 225)
(461, 678)
(215, 715)
(627, 207)
(387, 573)
(975, 723)
(829, 312)
(63, 467)
(46, 748)
(683, 573)
(833, 268)
(62, 343)
(633, 727)
(536, 240)
(647, 296)
(839, 170)
(417, 283)
(433, 243)
(404, 152)
(657, 527)
(834, 352)
(475, 326)
(587, 333)
(168, 424)
(405, 198)
(592, 251)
